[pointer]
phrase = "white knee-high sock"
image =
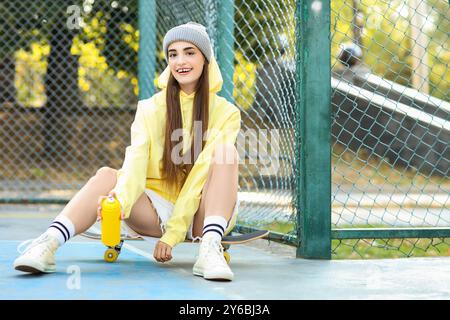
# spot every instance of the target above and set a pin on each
(62, 229)
(214, 227)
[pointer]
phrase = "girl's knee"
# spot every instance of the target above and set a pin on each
(105, 174)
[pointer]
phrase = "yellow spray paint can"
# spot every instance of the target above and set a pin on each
(110, 222)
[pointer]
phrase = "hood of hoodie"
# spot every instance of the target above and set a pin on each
(215, 77)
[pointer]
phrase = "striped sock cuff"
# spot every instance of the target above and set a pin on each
(62, 228)
(213, 227)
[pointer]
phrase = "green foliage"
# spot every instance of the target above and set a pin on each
(16, 31)
(106, 45)
(244, 79)
(37, 173)
(387, 42)
(389, 248)
(108, 42)
(259, 24)
(30, 71)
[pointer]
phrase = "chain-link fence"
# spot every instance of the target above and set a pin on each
(70, 87)
(391, 130)
(68, 95)
(259, 66)
(69, 75)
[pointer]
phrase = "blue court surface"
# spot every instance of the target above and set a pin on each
(262, 271)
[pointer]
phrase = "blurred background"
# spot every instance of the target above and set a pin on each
(69, 85)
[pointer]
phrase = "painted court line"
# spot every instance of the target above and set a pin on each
(138, 251)
(135, 277)
(27, 215)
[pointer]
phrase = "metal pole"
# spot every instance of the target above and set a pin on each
(313, 140)
(147, 48)
(225, 46)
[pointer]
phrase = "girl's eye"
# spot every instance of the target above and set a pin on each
(173, 55)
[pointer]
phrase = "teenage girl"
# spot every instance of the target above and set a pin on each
(179, 178)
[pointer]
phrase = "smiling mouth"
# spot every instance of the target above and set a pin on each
(184, 72)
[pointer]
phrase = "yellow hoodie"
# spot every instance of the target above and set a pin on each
(142, 166)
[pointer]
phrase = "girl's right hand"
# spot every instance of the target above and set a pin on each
(99, 205)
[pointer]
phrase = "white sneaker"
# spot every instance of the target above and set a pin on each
(211, 263)
(38, 256)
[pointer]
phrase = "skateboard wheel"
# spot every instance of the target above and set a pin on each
(110, 255)
(227, 257)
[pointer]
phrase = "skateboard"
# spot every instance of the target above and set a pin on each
(112, 253)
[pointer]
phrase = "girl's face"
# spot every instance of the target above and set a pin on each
(185, 55)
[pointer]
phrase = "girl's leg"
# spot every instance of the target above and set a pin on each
(144, 219)
(77, 216)
(82, 209)
(219, 194)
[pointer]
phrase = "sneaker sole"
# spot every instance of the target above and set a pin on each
(197, 272)
(212, 275)
(32, 267)
(216, 276)
(213, 278)
(27, 269)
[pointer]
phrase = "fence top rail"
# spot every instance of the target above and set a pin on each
(390, 233)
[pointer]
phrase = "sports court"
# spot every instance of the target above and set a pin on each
(262, 271)
(344, 141)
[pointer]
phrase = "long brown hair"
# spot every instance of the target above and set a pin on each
(176, 174)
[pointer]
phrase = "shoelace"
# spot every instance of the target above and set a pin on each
(23, 244)
(212, 248)
(30, 243)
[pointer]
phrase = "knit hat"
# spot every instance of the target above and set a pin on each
(191, 32)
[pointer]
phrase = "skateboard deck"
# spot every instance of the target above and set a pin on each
(236, 239)
(112, 253)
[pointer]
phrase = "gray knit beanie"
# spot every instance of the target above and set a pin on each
(191, 32)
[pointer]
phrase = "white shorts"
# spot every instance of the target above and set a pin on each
(164, 210)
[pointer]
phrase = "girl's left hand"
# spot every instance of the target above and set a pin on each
(162, 252)
(112, 193)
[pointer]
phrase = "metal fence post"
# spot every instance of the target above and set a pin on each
(225, 46)
(147, 48)
(313, 145)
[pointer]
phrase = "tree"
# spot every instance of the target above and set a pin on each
(61, 80)
(261, 25)
(15, 33)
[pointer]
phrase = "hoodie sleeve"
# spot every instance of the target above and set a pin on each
(188, 200)
(131, 178)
